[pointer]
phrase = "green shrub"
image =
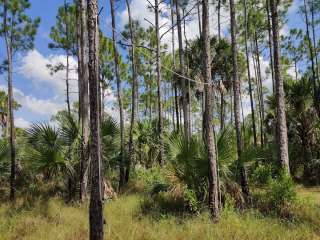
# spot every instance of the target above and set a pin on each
(149, 177)
(261, 174)
(278, 197)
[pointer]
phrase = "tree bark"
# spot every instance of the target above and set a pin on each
(68, 55)
(176, 101)
(261, 97)
(253, 119)
(96, 206)
(237, 92)
(270, 43)
(134, 112)
(83, 75)
(208, 115)
(313, 67)
(282, 139)
(184, 82)
(159, 92)
(8, 42)
(119, 95)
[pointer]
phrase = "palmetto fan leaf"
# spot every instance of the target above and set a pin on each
(45, 151)
(69, 129)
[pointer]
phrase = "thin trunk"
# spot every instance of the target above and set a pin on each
(96, 206)
(282, 139)
(134, 112)
(119, 95)
(187, 70)
(159, 92)
(260, 88)
(222, 111)
(237, 92)
(199, 17)
(219, 20)
(222, 101)
(9, 41)
(313, 67)
(67, 53)
(258, 95)
(249, 74)
(208, 116)
(174, 84)
(270, 44)
(314, 37)
(184, 82)
(83, 72)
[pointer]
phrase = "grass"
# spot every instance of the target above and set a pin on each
(52, 219)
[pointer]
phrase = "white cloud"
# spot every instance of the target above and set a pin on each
(34, 66)
(44, 107)
(139, 12)
(21, 123)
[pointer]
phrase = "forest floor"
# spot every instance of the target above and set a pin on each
(46, 219)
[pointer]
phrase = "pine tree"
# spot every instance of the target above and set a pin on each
(18, 31)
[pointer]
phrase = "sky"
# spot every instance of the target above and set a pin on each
(42, 94)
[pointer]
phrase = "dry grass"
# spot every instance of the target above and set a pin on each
(53, 219)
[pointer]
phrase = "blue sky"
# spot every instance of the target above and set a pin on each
(41, 94)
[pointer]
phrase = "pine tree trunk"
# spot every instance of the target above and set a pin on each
(313, 67)
(282, 139)
(159, 92)
(270, 44)
(253, 119)
(83, 73)
(174, 84)
(237, 92)
(67, 54)
(8, 42)
(119, 95)
(260, 88)
(184, 82)
(199, 18)
(208, 115)
(96, 206)
(314, 37)
(134, 111)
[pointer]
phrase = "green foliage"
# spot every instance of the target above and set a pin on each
(45, 152)
(150, 177)
(279, 196)
(261, 174)
(65, 21)
(4, 160)
(20, 27)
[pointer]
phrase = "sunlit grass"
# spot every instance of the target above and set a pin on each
(53, 219)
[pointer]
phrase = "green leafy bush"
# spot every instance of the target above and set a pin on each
(279, 196)
(261, 174)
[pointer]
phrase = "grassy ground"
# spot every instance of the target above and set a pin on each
(53, 219)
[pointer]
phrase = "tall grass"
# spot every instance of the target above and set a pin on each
(53, 219)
